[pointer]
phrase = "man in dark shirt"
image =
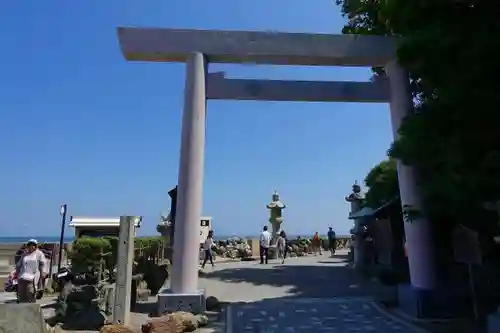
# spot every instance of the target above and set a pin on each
(332, 240)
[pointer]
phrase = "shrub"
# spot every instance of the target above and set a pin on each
(87, 253)
(149, 248)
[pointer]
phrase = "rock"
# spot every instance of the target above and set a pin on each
(201, 320)
(106, 298)
(76, 308)
(142, 285)
(156, 277)
(143, 294)
(82, 295)
(55, 329)
(116, 329)
(212, 303)
(233, 248)
(90, 318)
(176, 322)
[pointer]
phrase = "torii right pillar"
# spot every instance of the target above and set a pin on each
(420, 249)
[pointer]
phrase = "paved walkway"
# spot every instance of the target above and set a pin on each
(307, 294)
(311, 294)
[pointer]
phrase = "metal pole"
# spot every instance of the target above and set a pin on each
(63, 211)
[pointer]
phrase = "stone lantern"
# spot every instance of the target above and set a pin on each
(356, 199)
(276, 213)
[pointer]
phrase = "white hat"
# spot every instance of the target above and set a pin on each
(32, 241)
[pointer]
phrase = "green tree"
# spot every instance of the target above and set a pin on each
(382, 183)
(453, 140)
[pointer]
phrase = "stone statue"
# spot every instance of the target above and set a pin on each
(166, 226)
(276, 213)
(356, 199)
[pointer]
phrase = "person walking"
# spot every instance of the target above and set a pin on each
(316, 244)
(332, 241)
(31, 271)
(265, 242)
(207, 247)
(281, 247)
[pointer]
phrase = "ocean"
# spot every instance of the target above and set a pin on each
(41, 239)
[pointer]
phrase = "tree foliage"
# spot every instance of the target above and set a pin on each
(382, 183)
(453, 139)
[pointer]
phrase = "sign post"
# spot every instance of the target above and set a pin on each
(205, 227)
(467, 250)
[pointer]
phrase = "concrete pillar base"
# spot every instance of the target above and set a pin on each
(494, 323)
(169, 302)
(439, 303)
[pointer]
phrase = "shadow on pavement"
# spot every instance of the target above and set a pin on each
(344, 257)
(307, 281)
(320, 298)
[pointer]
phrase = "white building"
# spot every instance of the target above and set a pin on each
(97, 226)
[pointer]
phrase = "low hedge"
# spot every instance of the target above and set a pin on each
(93, 253)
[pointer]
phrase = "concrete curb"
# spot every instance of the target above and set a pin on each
(410, 318)
(400, 319)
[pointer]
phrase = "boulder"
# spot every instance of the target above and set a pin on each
(177, 322)
(212, 303)
(55, 329)
(81, 296)
(143, 294)
(77, 310)
(90, 319)
(116, 329)
(201, 320)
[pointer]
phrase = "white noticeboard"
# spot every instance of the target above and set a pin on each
(205, 226)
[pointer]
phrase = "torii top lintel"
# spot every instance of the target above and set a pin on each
(260, 47)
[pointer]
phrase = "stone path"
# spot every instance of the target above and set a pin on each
(312, 315)
(311, 294)
(307, 294)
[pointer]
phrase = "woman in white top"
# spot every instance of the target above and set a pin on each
(207, 247)
(30, 271)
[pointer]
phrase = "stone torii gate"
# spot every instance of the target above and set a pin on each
(199, 47)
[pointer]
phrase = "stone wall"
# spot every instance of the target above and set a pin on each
(240, 248)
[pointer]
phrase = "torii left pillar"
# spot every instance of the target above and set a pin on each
(184, 294)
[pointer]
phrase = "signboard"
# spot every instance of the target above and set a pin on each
(205, 226)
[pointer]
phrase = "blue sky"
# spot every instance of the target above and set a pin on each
(79, 125)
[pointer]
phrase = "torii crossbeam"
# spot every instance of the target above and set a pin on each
(199, 47)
